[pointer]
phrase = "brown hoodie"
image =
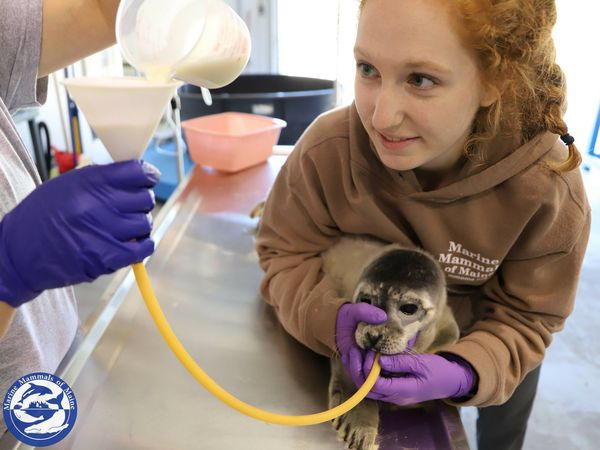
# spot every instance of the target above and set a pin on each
(510, 235)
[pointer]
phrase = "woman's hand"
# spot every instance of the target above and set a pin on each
(348, 317)
(408, 379)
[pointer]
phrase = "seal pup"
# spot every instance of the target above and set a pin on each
(409, 285)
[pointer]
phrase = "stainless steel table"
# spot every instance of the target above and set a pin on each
(132, 392)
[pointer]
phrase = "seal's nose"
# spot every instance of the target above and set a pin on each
(372, 340)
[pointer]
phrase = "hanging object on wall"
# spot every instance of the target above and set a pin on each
(74, 125)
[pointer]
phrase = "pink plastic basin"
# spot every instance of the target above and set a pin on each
(231, 141)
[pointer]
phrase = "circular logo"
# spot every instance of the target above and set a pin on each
(40, 409)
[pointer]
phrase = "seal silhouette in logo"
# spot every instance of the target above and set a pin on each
(40, 409)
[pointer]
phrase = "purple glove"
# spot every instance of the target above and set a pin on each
(348, 317)
(409, 379)
(74, 228)
(361, 361)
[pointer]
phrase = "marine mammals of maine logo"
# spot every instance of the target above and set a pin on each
(466, 265)
(40, 409)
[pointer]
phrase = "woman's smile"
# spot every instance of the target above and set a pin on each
(396, 143)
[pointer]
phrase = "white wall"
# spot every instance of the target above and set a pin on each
(578, 53)
(260, 16)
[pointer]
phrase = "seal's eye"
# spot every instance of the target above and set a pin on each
(409, 309)
(364, 299)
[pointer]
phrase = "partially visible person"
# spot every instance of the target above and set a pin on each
(86, 223)
(455, 144)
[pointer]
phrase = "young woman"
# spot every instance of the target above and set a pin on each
(455, 144)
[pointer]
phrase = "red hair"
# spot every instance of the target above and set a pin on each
(512, 41)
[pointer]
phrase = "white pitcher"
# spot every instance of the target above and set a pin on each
(202, 42)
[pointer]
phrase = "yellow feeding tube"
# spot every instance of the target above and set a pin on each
(188, 362)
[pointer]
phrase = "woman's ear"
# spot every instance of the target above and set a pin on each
(489, 96)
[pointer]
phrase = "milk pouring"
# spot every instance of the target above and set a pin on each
(202, 42)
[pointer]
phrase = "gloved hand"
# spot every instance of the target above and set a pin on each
(74, 228)
(361, 362)
(348, 317)
(409, 379)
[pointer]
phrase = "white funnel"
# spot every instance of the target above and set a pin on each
(123, 112)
